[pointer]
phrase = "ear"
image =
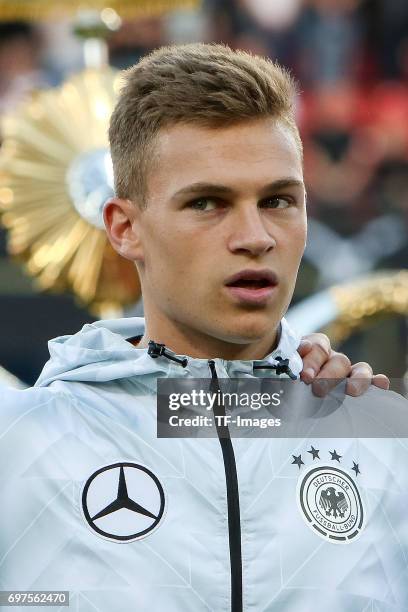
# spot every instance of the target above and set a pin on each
(122, 223)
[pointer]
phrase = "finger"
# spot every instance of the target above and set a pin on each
(308, 373)
(357, 387)
(313, 362)
(337, 367)
(381, 381)
(318, 339)
(360, 379)
(304, 347)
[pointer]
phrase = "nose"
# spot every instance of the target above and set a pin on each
(249, 233)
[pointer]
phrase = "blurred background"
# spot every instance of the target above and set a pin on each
(350, 58)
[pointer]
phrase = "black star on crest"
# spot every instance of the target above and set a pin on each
(335, 456)
(314, 452)
(297, 460)
(356, 468)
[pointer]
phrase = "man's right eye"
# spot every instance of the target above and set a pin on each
(203, 204)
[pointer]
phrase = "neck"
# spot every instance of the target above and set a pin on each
(186, 341)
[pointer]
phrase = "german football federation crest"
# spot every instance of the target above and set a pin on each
(328, 496)
(330, 503)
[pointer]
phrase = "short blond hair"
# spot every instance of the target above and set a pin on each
(208, 85)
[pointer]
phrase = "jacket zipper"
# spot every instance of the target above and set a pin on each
(231, 478)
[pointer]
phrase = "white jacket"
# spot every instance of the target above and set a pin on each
(93, 502)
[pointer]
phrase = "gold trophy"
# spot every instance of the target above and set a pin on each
(55, 166)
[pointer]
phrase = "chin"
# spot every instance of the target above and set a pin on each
(249, 328)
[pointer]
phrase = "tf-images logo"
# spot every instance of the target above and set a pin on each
(123, 501)
(329, 499)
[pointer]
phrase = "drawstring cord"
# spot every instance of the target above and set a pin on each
(281, 368)
(156, 350)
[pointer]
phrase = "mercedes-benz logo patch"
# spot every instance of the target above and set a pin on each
(330, 502)
(123, 501)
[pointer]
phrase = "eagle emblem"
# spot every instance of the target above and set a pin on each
(330, 503)
(333, 502)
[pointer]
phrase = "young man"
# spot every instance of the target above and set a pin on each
(211, 208)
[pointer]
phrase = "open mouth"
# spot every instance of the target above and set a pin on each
(252, 286)
(253, 279)
(259, 283)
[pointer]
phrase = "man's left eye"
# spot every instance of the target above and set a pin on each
(276, 202)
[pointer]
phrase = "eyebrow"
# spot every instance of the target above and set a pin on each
(194, 188)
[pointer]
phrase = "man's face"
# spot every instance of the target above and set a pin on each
(222, 202)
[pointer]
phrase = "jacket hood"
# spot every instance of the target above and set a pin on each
(100, 352)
